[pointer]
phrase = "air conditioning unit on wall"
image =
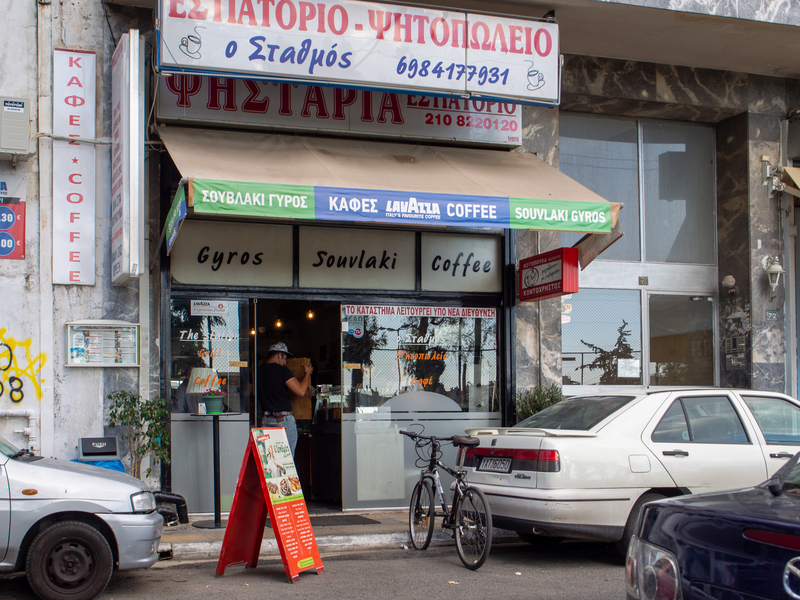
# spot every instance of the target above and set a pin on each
(15, 128)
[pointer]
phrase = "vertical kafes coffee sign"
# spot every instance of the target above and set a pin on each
(344, 42)
(127, 159)
(74, 167)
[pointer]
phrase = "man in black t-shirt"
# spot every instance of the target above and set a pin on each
(274, 381)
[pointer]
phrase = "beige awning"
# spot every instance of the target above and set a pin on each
(793, 183)
(234, 173)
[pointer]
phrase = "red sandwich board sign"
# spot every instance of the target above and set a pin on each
(268, 484)
(548, 275)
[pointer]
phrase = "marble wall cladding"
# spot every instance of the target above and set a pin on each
(768, 336)
(733, 248)
(537, 353)
(645, 110)
(770, 11)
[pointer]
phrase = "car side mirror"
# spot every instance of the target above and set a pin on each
(775, 486)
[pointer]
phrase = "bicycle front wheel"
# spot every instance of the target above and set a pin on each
(421, 515)
(473, 528)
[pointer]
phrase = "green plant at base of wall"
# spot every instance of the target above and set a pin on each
(146, 423)
(531, 401)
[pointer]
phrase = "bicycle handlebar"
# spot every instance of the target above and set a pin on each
(414, 436)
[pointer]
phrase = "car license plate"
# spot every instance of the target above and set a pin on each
(498, 465)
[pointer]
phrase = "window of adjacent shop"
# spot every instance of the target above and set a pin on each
(425, 349)
(609, 335)
(645, 312)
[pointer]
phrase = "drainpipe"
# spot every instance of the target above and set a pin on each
(31, 431)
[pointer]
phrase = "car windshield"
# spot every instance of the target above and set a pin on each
(7, 449)
(791, 480)
(579, 413)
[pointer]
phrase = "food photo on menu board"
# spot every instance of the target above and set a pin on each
(276, 458)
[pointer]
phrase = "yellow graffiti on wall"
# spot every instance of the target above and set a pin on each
(12, 373)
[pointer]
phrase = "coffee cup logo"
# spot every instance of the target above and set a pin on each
(535, 78)
(190, 45)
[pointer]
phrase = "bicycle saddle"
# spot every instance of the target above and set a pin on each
(465, 441)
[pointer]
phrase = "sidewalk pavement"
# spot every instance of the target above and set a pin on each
(385, 529)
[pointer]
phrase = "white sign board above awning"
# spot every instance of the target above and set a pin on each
(366, 44)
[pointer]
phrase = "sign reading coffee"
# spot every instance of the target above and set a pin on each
(367, 44)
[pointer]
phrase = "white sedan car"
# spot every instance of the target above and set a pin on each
(584, 467)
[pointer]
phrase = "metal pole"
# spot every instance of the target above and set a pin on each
(217, 494)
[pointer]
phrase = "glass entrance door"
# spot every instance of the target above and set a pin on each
(681, 340)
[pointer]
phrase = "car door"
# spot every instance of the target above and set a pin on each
(704, 444)
(778, 422)
(5, 508)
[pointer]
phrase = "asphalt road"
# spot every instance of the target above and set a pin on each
(568, 571)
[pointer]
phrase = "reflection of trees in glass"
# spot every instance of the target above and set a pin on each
(425, 362)
(671, 373)
(191, 352)
(606, 360)
(439, 341)
(360, 350)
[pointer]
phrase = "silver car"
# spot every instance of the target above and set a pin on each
(68, 525)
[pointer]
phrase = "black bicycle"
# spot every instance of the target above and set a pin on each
(469, 517)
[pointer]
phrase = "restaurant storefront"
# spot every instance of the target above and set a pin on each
(388, 265)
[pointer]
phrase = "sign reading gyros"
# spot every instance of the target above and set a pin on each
(365, 44)
(548, 275)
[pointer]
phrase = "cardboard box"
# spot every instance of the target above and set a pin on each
(301, 405)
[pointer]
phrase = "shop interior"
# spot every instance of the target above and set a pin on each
(312, 332)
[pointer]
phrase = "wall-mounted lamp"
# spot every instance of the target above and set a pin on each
(278, 323)
(774, 271)
(252, 332)
(310, 314)
(729, 283)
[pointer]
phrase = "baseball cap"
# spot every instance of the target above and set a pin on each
(280, 347)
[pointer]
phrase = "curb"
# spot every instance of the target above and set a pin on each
(269, 547)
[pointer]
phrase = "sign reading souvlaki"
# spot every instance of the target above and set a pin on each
(363, 43)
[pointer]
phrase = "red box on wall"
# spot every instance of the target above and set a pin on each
(548, 275)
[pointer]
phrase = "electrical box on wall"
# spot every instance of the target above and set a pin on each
(15, 128)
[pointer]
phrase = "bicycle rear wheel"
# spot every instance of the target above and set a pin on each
(421, 515)
(473, 528)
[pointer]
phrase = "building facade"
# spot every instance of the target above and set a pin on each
(682, 116)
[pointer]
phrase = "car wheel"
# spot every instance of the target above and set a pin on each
(542, 541)
(69, 560)
(633, 519)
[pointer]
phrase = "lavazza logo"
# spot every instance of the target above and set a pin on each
(413, 209)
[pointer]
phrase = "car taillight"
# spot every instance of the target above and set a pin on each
(469, 456)
(784, 540)
(659, 581)
(651, 573)
(549, 461)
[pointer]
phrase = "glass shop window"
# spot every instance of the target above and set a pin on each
(209, 351)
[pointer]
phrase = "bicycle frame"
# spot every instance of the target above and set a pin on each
(447, 512)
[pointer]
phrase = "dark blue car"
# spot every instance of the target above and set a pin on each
(738, 545)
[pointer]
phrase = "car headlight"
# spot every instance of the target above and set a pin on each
(651, 573)
(143, 502)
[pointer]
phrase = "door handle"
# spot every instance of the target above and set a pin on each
(675, 453)
(781, 455)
